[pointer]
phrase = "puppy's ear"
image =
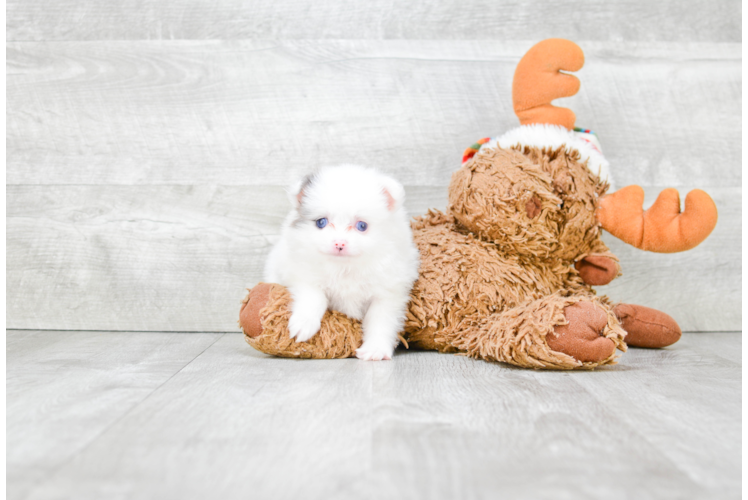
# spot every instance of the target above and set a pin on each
(296, 191)
(393, 192)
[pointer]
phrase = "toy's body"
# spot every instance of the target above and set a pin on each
(506, 272)
(495, 278)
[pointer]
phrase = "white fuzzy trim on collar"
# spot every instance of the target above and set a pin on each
(555, 136)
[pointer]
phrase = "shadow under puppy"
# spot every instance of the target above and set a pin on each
(347, 246)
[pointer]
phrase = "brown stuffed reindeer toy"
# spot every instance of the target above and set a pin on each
(506, 272)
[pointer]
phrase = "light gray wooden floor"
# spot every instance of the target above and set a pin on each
(96, 415)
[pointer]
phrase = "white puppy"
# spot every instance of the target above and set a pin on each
(347, 245)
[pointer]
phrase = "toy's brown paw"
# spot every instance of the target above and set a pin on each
(647, 327)
(582, 338)
(249, 315)
(597, 270)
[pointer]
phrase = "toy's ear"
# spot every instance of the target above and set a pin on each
(393, 192)
(538, 80)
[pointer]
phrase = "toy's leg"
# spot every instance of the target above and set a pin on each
(582, 337)
(647, 327)
(264, 319)
(553, 332)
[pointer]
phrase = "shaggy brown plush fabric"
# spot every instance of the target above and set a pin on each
(495, 277)
(490, 193)
(339, 336)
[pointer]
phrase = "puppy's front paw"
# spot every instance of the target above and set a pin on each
(375, 350)
(303, 326)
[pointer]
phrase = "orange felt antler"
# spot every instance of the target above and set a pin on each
(662, 228)
(538, 81)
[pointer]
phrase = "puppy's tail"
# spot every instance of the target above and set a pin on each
(538, 80)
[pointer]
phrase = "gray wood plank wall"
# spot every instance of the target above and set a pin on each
(148, 143)
(627, 20)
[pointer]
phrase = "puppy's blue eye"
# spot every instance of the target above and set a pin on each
(321, 222)
(361, 226)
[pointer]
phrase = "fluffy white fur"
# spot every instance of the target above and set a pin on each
(366, 275)
(554, 136)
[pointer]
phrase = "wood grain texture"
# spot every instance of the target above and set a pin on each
(178, 258)
(64, 390)
(235, 423)
(631, 20)
(256, 112)
(164, 258)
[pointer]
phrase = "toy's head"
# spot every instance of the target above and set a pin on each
(528, 201)
(539, 198)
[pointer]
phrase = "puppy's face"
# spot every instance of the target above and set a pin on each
(346, 211)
